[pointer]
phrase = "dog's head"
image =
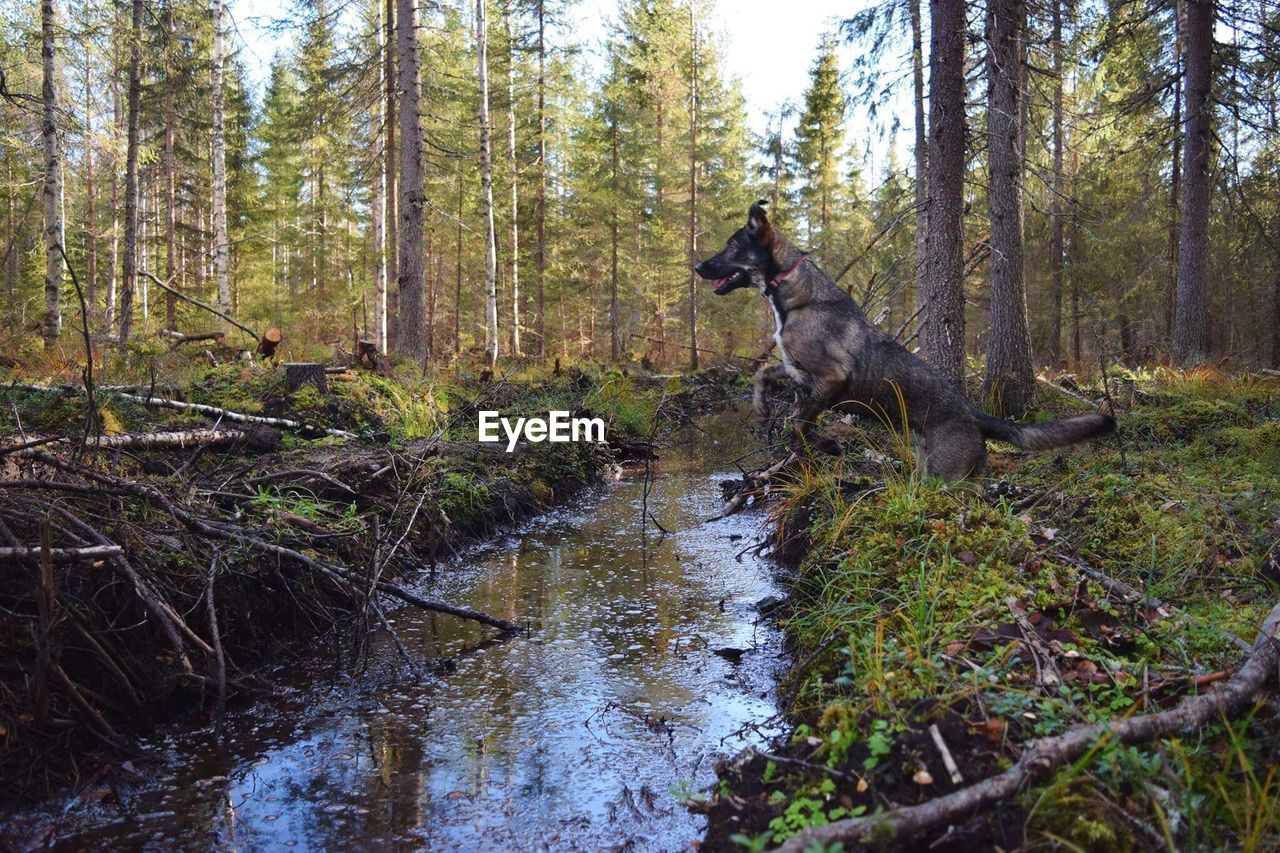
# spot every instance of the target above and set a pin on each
(746, 259)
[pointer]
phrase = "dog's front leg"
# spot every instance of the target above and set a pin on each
(805, 420)
(767, 377)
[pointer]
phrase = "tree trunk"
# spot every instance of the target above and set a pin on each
(457, 284)
(129, 264)
(51, 192)
(392, 219)
(1189, 315)
(693, 191)
(540, 205)
(486, 182)
(1009, 384)
(1057, 256)
(921, 152)
(615, 342)
(514, 250)
(170, 230)
(411, 336)
(90, 208)
(943, 335)
(221, 244)
(1175, 181)
(377, 204)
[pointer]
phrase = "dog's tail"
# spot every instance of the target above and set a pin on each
(1049, 434)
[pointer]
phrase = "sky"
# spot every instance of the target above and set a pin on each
(769, 46)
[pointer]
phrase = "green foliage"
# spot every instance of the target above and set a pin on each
(916, 578)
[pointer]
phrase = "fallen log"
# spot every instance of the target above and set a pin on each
(62, 555)
(255, 438)
(1043, 756)
(180, 338)
(227, 414)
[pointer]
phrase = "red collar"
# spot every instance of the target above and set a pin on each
(772, 286)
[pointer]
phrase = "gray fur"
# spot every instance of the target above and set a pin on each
(839, 360)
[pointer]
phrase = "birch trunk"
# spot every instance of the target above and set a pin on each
(377, 207)
(170, 229)
(221, 248)
(514, 250)
(51, 192)
(486, 181)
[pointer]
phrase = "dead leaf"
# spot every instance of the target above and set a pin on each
(992, 729)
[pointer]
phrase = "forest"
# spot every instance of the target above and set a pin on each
(562, 196)
(269, 270)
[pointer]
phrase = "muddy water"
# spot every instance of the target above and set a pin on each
(582, 735)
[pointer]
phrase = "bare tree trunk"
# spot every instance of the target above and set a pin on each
(389, 153)
(943, 336)
(129, 264)
(693, 191)
(90, 206)
(221, 247)
(113, 273)
(1057, 256)
(615, 342)
(1175, 181)
(51, 191)
(170, 230)
(1009, 384)
(378, 202)
(921, 152)
(411, 334)
(1189, 316)
(514, 251)
(486, 182)
(540, 205)
(457, 285)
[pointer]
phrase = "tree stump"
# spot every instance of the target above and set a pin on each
(299, 373)
(271, 339)
(367, 354)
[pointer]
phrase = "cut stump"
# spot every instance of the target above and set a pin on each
(299, 373)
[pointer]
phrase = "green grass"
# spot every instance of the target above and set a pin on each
(905, 584)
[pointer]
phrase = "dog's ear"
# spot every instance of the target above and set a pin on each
(758, 227)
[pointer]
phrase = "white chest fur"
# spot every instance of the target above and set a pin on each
(794, 372)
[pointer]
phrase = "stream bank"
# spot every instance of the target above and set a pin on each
(219, 560)
(937, 632)
(646, 660)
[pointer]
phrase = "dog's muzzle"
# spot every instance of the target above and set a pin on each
(723, 283)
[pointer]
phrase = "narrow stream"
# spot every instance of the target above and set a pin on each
(646, 661)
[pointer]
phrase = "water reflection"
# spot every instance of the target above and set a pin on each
(578, 735)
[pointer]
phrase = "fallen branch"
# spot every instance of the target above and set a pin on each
(754, 484)
(1118, 588)
(1043, 756)
(196, 302)
(62, 555)
(1062, 389)
(180, 338)
(1047, 674)
(237, 417)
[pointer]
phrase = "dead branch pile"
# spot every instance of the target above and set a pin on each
(126, 593)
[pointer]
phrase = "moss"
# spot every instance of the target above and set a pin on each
(903, 595)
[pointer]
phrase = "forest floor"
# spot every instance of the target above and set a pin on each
(151, 581)
(932, 625)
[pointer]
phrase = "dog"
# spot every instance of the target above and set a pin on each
(839, 360)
